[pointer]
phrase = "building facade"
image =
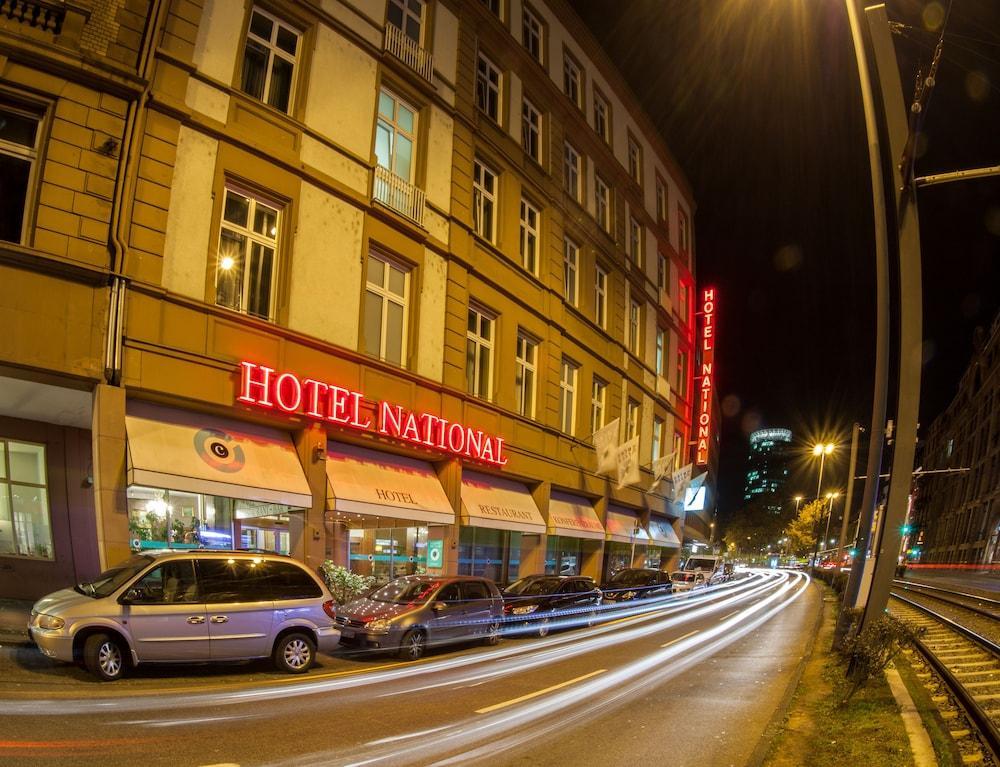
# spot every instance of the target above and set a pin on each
(352, 281)
(768, 466)
(956, 508)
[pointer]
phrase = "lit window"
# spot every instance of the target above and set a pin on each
(246, 263)
(601, 297)
(386, 307)
(634, 160)
(484, 200)
(598, 404)
(634, 318)
(532, 34)
(602, 117)
(571, 270)
(631, 419)
(567, 399)
(395, 135)
(526, 366)
(530, 220)
(25, 526)
(407, 16)
(661, 342)
(657, 437)
(635, 239)
(571, 80)
(479, 353)
(19, 136)
(531, 130)
(572, 172)
(488, 88)
(602, 203)
(269, 58)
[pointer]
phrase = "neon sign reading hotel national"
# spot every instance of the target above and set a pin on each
(706, 378)
(264, 387)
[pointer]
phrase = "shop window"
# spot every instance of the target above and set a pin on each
(25, 524)
(386, 553)
(387, 297)
(563, 555)
(601, 297)
(19, 137)
(602, 117)
(530, 226)
(489, 553)
(246, 265)
(488, 87)
(569, 372)
(479, 353)
(532, 34)
(602, 203)
(531, 130)
(571, 270)
(598, 404)
(408, 17)
(484, 201)
(525, 374)
(572, 172)
(270, 55)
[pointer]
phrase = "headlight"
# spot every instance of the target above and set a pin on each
(628, 595)
(381, 626)
(524, 610)
(49, 622)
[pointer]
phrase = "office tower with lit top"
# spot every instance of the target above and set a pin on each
(768, 467)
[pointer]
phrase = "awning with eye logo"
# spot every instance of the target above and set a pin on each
(180, 450)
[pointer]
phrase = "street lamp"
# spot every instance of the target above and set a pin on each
(822, 449)
(798, 500)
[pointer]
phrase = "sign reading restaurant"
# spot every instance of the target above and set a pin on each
(706, 379)
(264, 387)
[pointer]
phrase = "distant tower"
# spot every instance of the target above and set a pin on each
(767, 467)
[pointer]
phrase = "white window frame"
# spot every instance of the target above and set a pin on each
(658, 427)
(273, 51)
(602, 117)
(531, 126)
(396, 130)
(526, 368)
(601, 297)
(572, 171)
(532, 29)
(480, 342)
(661, 352)
(572, 79)
(7, 483)
(407, 13)
(485, 188)
(252, 238)
(28, 154)
(531, 239)
(631, 418)
(489, 80)
(387, 296)
(598, 403)
(569, 373)
(571, 271)
(634, 323)
(602, 202)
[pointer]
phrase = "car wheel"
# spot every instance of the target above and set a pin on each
(544, 626)
(294, 653)
(413, 646)
(103, 657)
(493, 634)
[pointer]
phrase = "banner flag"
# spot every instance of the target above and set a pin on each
(606, 444)
(660, 468)
(628, 463)
(681, 478)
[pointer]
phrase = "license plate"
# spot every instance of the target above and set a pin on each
(347, 633)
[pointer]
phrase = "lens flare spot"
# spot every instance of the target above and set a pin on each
(977, 85)
(788, 258)
(933, 16)
(730, 405)
(751, 421)
(992, 220)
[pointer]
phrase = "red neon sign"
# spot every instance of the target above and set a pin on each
(264, 387)
(706, 378)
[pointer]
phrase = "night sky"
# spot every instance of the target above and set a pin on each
(759, 102)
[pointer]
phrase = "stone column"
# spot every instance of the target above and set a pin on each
(449, 473)
(306, 530)
(109, 448)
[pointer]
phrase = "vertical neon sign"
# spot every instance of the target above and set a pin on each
(706, 376)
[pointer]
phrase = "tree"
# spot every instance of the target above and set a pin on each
(801, 531)
(753, 528)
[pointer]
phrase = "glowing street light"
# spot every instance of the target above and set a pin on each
(822, 450)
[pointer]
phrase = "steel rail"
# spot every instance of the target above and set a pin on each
(917, 588)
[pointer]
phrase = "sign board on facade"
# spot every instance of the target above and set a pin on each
(706, 376)
(435, 554)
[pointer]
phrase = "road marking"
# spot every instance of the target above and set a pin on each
(675, 641)
(729, 616)
(530, 695)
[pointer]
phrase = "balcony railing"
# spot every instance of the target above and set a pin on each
(407, 51)
(43, 16)
(398, 194)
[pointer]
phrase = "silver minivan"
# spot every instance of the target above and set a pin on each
(189, 606)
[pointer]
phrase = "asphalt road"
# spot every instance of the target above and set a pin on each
(693, 682)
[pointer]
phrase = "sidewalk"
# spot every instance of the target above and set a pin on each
(14, 615)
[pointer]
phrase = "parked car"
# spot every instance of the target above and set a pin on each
(685, 581)
(189, 606)
(539, 601)
(636, 583)
(416, 611)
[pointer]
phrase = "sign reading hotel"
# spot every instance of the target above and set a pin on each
(706, 377)
(264, 387)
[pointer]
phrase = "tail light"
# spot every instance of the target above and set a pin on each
(330, 608)
(507, 608)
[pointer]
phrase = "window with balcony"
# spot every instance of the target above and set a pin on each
(531, 130)
(270, 55)
(387, 297)
(569, 371)
(601, 297)
(395, 156)
(602, 117)
(404, 35)
(572, 172)
(634, 321)
(479, 353)
(631, 419)
(19, 138)
(634, 160)
(602, 203)
(408, 17)
(484, 201)
(598, 404)
(571, 270)
(525, 372)
(246, 265)
(530, 225)
(572, 80)
(25, 524)
(532, 34)
(493, 6)
(635, 239)
(488, 83)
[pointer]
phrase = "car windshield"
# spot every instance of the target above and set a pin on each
(108, 582)
(527, 587)
(404, 592)
(625, 578)
(699, 563)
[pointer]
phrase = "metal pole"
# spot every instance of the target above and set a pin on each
(829, 516)
(855, 433)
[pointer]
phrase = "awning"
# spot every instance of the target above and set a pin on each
(573, 516)
(625, 526)
(661, 533)
(499, 503)
(362, 481)
(181, 450)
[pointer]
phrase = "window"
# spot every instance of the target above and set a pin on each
(479, 353)
(633, 326)
(682, 372)
(530, 221)
(525, 373)
(170, 583)
(395, 135)
(657, 437)
(567, 398)
(602, 117)
(634, 160)
(386, 309)
(248, 244)
(572, 172)
(408, 16)
(683, 235)
(661, 271)
(631, 419)
(679, 455)
(571, 80)
(493, 5)
(531, 130)
(661, 337)
(484, 200)
(19, 136)
(598, 404)
(661, 201)
(602, 203)
(25, 529)
(601, 297)
(532, 34)
(635, 239)
(683, 292)
(488, 88)
(571, 270)
(269, 57)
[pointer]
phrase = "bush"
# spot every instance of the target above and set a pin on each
(871, 651)
(343, 584)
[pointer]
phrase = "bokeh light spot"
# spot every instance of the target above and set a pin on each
(751, 421)
(933, 16)
(788, 258)
(992, 220)
(977, 85)
(730, 405)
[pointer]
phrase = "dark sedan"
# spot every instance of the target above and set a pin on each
(540, 602)
(636, 583)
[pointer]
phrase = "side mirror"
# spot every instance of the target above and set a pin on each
(438, 606)
(134, 594)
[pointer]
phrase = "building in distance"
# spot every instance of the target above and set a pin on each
(768, 467)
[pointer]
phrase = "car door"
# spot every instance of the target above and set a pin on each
(478, 607)
(448, 613)
(166, 615)
(239, 606)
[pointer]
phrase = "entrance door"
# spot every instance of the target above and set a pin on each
(167, 618)
(239, 606)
